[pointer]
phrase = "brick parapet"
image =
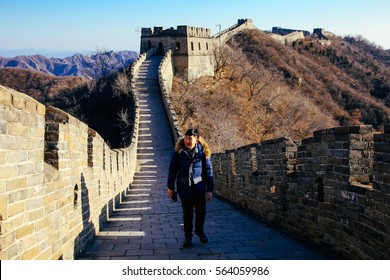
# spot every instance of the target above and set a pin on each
(165, 77)
(381, 166)
(224, 35)
(58, 179)
(331, 190)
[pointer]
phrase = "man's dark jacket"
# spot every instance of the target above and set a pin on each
(187, 183)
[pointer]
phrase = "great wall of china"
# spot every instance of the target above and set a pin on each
(59, 181)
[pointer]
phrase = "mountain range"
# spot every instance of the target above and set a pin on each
(86, 66)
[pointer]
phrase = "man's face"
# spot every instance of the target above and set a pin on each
(190, 141)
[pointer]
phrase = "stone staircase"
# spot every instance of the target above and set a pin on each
(155, 141)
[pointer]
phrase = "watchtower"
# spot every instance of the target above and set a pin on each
(192, 48)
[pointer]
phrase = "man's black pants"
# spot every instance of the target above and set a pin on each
(188, 205)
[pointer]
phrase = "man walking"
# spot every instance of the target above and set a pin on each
(191, 169)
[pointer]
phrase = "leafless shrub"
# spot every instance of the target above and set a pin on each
(121, 84)
(123, 118)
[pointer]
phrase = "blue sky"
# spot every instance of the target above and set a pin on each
(86, 25)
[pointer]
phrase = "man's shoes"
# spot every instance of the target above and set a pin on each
(202, 237)
(187, 242)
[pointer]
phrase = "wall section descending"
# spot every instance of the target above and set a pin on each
(331, 190)
(165, 78)
(58, 179)
(223, 36)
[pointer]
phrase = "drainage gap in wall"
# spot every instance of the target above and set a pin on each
(272, 187)
(320, 188)
(75, 196)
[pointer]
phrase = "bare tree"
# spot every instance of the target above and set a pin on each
(123, 118)
(256, 79)
(239, 63)
(222, 59)
(121, 84)
(102, 63)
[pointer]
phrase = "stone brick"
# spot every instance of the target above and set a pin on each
(24, 230)
(17, 183)
(36, 132)
(14, 116)
(31, 253)
(33, 203)
(3, 157)
(7, 171)
(42, 223)
(3, 127)
(18, 101)
(7, 242)
(16, 208)
(3, 207)
(5, 96)
(17, 156)
(17, 130)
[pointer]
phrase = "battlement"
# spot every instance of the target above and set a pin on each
(286, 36)
(226, 34)
(182, 30)
(332, 190)
(286, 31)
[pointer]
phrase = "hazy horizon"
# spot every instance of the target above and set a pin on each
(7, 53)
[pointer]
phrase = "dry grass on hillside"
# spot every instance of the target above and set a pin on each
(39, 86)
(220, 109)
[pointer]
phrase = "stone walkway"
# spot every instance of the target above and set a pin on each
(147, 225)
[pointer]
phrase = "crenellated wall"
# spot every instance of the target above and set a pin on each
(165, 78)
(224, 35)
(58, 179)
(331, 190)
(288, 38)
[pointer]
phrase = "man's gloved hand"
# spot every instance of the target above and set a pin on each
(173, 195)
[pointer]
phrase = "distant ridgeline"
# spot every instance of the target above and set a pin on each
(86, 66)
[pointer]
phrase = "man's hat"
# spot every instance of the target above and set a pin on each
(192, 132)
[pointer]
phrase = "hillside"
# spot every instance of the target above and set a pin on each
(86, 66)
(105, 104)
(267, 90)
(42, 87)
